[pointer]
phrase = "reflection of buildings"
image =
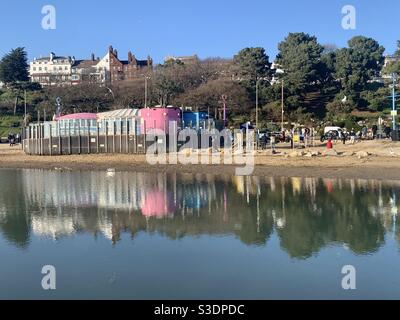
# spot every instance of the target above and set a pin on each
(64, 195)
(306, 214)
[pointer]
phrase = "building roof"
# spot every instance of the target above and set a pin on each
(120, 113)
(78, 116)
(54, 58)
(138, 62)
(85, 63)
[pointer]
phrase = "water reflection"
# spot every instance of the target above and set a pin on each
(306, 214)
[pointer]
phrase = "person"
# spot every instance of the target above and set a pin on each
(352, 136)
(264, 141)
(11, 139)
(329, 144)
(364, 132)
(374, 131)
(273, 142)
(344, 137)
(388, 130)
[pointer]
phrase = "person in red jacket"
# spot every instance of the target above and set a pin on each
(329, 144)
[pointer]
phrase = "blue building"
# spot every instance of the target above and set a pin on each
(195, 120)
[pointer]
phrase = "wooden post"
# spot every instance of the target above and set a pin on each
(144, 136)
(106, 135)
(97, 136)
(127, 135)
(79, 143)
(113, 136)
(69, 138)
(88, 137)
(50, 142)
(59, 139)
(37, 139)
(120, 135)
(41, 128)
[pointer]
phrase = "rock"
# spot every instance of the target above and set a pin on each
(331, 152)
(349, 154)
(271, 153)
(362, 154)
(312, 154)
(296, 154)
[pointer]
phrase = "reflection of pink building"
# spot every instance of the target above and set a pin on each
(159, 118)
(157, 204)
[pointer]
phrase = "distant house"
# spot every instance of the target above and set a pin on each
(51, 70)
(110, 70)
(184, 59)
(391, 59)
(126, 70)
(89, 71)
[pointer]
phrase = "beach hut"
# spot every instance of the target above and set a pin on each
(121, 121)
(75, 124)
(196, 120)
(158, 204)
(159, 118)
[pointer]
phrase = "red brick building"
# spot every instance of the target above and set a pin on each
(127, 70)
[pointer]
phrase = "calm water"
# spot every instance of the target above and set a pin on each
(167, 236)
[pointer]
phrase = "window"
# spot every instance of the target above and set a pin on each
(34, 68)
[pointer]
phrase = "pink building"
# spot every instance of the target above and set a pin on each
(159, 118)
(157, 204)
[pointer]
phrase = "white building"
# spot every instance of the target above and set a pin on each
(56, 70)
(52, 70)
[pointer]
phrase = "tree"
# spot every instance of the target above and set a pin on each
(167, 82)
(14, 67)
(358, 64)
(252, 64)
(397, 53)
(208, 97)
(14, 72)
(300, 57)
(394, 66)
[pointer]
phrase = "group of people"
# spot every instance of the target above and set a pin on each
(13, 139)
(364, 134)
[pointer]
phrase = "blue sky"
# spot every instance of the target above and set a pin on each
(185, 27)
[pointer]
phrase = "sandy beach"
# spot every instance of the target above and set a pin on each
(382, 162)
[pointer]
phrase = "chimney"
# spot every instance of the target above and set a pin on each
(130, 57)
(93, 57)
(115, 53)
(52, 55)
(110, 49)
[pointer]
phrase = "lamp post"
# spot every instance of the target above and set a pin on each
(282, 105)
(112, 93)
(146, 78)
(394, 108)
(257, 84)
(280, 71)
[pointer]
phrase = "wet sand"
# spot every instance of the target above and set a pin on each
(383, 162)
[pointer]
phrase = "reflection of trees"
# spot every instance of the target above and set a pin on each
(14, 223)
(338, 216)
(308, 214)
